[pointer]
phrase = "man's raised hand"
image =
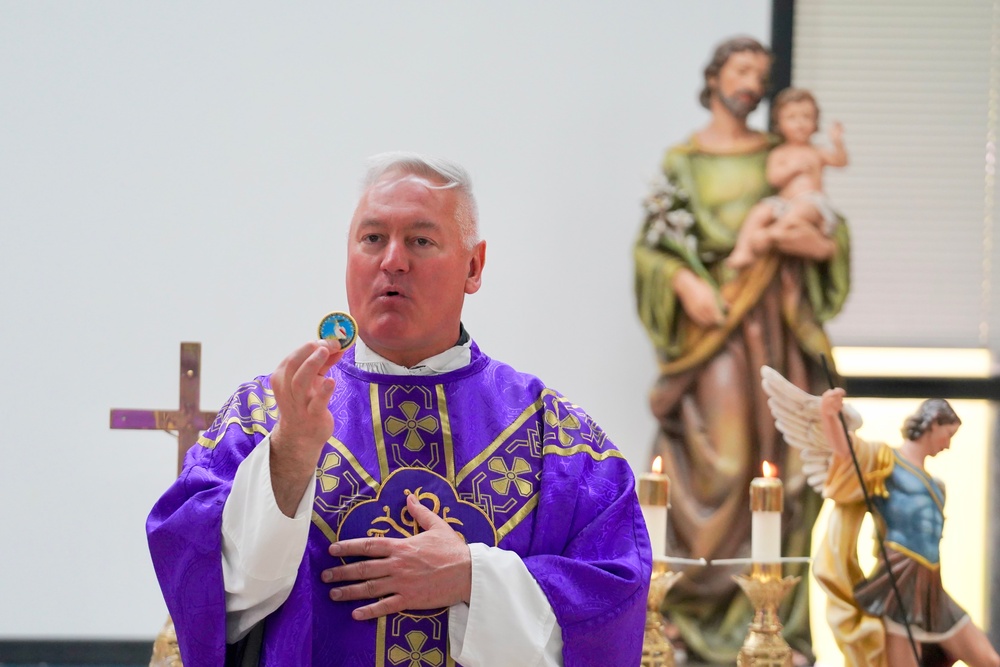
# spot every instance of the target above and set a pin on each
(303, 394)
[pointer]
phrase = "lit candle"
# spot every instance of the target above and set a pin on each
(654, 496)
(766, 503)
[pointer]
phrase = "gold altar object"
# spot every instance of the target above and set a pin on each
(166, 653)
(764, 645)
(657, 651)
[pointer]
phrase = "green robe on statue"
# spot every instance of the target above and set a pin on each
(714, 425)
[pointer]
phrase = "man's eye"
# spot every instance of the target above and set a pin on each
(370, 238)
(422, 242)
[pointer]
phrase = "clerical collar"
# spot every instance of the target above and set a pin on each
(451, 359)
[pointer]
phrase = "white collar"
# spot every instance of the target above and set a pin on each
(451, 359)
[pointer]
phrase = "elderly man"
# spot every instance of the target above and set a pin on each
(523, 542)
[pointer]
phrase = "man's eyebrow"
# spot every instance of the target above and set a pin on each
(417, 225)
(369, 223)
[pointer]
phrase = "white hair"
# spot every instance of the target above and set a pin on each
(452, 174)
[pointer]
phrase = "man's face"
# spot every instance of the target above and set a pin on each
(740, 83)
(797, 121)
(408, 269)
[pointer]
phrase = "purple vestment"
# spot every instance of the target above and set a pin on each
(505, 460)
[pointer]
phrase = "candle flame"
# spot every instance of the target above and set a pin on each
(658, 465)
(770, 470)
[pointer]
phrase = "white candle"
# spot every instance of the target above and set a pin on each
(766, 504)
(654, 496)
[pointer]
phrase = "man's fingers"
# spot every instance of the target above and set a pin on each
(390, 605)
(309, 380)
(372, 547)
(360, 571)
(335, 354)
(292, 362)
(368, 589)
(320, 394)
(427, 519)
(306, 374)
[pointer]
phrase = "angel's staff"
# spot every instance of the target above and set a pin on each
(871, 510)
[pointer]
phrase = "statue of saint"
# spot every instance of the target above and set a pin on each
(713, 326)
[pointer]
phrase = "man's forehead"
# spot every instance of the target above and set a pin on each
(403, 180)
(416, 197)
(396, 189)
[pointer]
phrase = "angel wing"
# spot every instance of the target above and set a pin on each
(796, 416)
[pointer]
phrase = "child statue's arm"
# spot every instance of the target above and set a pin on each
(836, 156)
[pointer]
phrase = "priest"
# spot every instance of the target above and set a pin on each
(410, 500)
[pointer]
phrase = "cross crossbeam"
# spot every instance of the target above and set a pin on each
(188, 420)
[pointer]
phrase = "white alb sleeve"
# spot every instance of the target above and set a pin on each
(508, 620)
(261, 547)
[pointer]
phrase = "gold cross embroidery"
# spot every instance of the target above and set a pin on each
(570, 421)
(327, 481)
(259, 406)
(395, 426)
(416, 641)
(510, 476)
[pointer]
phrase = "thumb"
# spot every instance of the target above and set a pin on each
(427, 519)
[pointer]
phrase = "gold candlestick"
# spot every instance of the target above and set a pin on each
(764, 645)
(657, 651)
(166, 653)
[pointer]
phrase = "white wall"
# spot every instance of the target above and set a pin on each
(185, 171)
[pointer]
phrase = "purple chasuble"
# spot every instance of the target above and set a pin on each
(503, 459)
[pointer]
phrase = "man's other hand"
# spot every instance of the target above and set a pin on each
(432, 569)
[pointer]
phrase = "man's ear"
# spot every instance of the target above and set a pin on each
(476, 263)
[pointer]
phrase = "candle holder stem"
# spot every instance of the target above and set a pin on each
(657, 651)
(764, 645)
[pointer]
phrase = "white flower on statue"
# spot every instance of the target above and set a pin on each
(680, 219)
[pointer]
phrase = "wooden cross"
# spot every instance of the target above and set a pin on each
(188, 421)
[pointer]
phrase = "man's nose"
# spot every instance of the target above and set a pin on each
(394, 259)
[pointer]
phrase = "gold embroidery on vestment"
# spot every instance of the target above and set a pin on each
(586, 449)
(513, 522)
(418, 431)
(502, 438)
(394, 426)
(511, 476)
(415, 641)
(261, 405)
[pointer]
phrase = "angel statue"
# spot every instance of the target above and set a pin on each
(868, 615)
